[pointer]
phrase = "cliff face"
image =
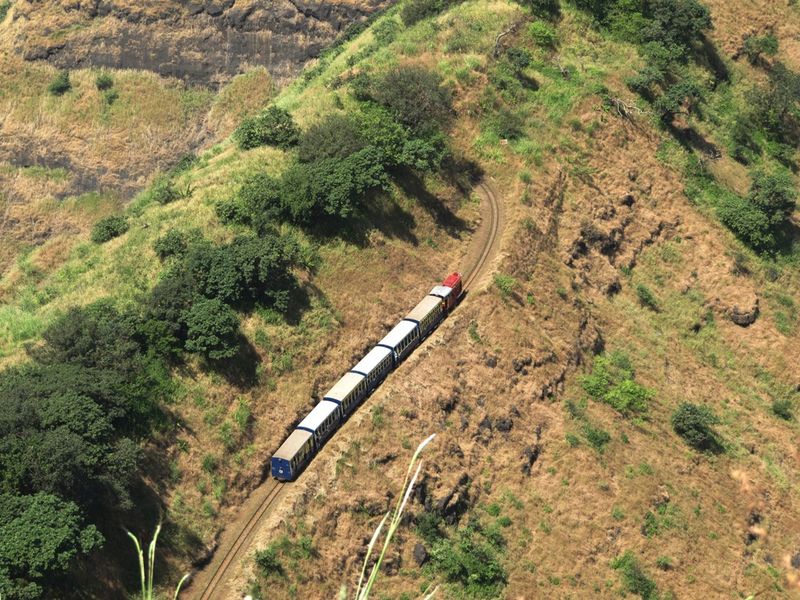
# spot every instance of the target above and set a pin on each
(200, 41)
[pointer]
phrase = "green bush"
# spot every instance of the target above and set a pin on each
(104, 81)
(212, 329)
(60, 85)
(694, 423)
(544, 9)
(5, 6)
(506, 285)
(783, 408)
(471, 560)
(543, 34)
(415, 96)
(163, 190)
(759, 219)
(757, 45)
(597, 438)
(415, 11)
(108, 228)
(40, 536)
(172, 243)
(386, 31)
(268, 562)
(646, 297)
(110, 96)
(274, 127)
(337, 136)
(612, 381)
(634, 578)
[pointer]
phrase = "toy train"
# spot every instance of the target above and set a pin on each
(358, 383)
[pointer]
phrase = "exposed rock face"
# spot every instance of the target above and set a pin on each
(200, 41)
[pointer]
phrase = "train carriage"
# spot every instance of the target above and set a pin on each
(427, 314)
(293, 454)
(401, 340)
(348, 392)
(322, 421)
(374, 366)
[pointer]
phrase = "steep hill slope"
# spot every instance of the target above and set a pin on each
(559, 468)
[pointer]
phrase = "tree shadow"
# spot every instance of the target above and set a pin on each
(691, 140)
(706, 55)
(241, 369)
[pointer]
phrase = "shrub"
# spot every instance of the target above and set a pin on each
(415, 11)
(757, 45)
(597, 438)
(386, 31)
(108, 228)
(783, 409)
(646, 297)
(415, 96)
(543, 34)
(172, 243)
(60, 85)
(258, 202)
(337, 136)
(612, 381)
(274, 127)
(747, 222)
(505, 284)
(774, 195)
(104, 81)
(212, 329)
(634, 578)
(694, 423)
(471, 560)
(268, 562)
(110, 96)
(519, 58)
(544, 9)
(163, 190)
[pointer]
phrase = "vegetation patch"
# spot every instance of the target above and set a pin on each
(612, 381)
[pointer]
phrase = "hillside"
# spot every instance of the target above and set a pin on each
(615, 403)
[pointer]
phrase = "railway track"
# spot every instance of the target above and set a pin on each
(210, 586)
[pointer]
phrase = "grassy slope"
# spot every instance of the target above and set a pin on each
(580, 508)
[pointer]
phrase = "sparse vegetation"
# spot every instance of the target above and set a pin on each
(104, 81)
(634, 578)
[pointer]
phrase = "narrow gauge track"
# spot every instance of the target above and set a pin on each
(219, 569)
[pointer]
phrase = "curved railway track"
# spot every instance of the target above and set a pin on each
(210, 586)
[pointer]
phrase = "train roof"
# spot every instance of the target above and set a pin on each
(371, 360)
(318, 414)
(397, 334)
(344, 386)
(292, 444)
(424, 308)
(442, 291)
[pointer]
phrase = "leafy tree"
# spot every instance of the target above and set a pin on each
(60, 84)
(756, 46)
(274, 127)
(775, 106)
(173, 243)
(676, 22)
(259, 202)
(415, 11)
(415, 96)
(774, 195)
(213, 329)
(694, 423)
(745, 220)
(40, 536)
(164, 325)
(108, 228)
(337, 136)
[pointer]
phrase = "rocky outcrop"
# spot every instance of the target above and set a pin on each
(199, 41)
